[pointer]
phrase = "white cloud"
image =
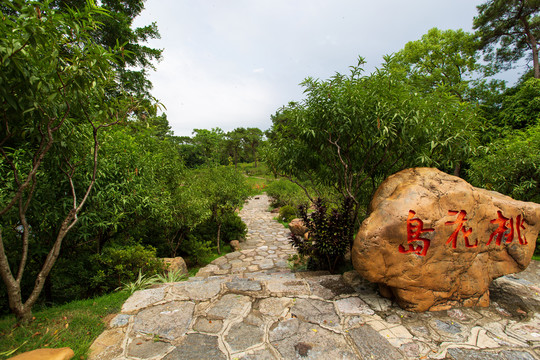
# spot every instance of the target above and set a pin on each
(234, 63)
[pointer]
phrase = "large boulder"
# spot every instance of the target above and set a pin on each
(175, 264)
(235, 245)
(433, 241)
(297, 227)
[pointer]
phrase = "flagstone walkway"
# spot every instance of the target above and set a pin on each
(254, 309)
(266, 247)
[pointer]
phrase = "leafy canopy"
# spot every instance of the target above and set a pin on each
(508, 31)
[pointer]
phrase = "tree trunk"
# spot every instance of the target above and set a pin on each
(218, 234)
(22, 310)
(254, 155)
(457, 169)
(534, 46)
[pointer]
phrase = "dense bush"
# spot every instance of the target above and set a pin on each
(287, 213)
(283, 192)
(330, 235)
(117, 265)
(201, 242)
(516, 159)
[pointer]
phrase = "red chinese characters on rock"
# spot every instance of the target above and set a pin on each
(459, 222)
(500, 232)
(505, 230)
(415, 228)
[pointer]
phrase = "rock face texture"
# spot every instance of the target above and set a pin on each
(297, 227)
(433, 241)
(176, 264)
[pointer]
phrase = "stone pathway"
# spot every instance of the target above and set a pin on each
(275, 314)
(266, 247)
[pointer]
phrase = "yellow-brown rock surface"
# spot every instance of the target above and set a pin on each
(433, 241)
(46, 354)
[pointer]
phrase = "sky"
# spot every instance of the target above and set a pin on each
(234, 63)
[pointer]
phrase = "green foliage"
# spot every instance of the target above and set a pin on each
(75, 325)
(55, 104)
(261, 170)
(508, 30)
(511, 165)
(197, 249)
(225, 190)
(117, 265)
(520, 106)
(283, 193)
(287, 213)
(201, 243)
(142, 282)
(351, 132)
(446, 60)
(214, 147)
(170, 277)
(297, 262)
(330, 235)
(116, 27)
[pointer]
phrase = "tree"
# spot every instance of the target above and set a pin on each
(252, 138)
(508, 31)
(225, 190)
(116, 30)
(446, 59)
(511, 165)
(351, 132)
(520, 107)
(53, 104)
(233, 143)
(209, 144)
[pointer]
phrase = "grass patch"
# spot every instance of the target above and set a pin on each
(261, 170)
(285, 224)
(257, 185)
(75, 325)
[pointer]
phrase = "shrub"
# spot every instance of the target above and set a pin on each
(330, 235)
(283, 192)
(287, 213)
(233, 228)
(121, 264)
(197, 249)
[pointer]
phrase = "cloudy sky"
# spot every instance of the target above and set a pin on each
(233, 63)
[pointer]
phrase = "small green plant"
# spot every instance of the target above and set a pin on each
(287, 213)
(170, 277)
(142, 282)
(330, 234)
(297, 262)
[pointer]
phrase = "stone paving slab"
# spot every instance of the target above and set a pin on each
(266, 247)
(252, 319)
(283, 315)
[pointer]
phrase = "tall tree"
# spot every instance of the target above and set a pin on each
(446, 59)
(252, 139)
(509, 30)
(233, 143)
(353, 131)
(53, 105)
(117, 29)
(209, 144)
